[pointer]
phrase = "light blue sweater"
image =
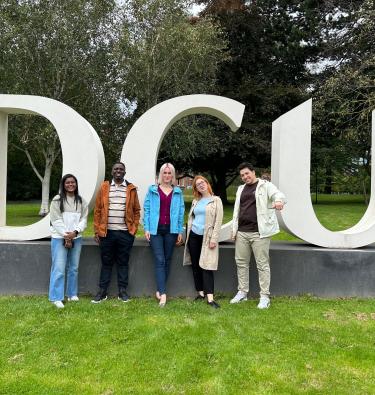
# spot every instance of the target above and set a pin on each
(200, 215)
(151, 209)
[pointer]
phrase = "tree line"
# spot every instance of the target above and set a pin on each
(111, 61)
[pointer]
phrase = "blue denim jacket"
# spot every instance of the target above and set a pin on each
(151, 209)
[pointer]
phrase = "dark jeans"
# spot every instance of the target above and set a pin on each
(162, 245)
(115, 247)
(203, 279)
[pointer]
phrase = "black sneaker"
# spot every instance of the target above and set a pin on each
(101, 295)
(214, 304)
(122, 295)
(198, 298)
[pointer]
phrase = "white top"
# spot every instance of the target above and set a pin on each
(73, 218)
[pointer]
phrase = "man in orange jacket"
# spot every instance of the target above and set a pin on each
(116, 220)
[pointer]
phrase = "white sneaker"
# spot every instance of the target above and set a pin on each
(74, 298)
(59, 304)
(239, 297)
(264, 302)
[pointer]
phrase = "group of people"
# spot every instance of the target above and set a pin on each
(116, 220)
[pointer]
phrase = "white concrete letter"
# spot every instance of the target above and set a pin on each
(3, 166)
(141, 148)
(81, 148)
(291, 151)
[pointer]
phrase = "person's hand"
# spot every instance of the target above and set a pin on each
(233, 236)
(69, 235)
(68, 243)
(96, 238)
(148, 235)
(179, 240)
(212, 245)
(278, 205)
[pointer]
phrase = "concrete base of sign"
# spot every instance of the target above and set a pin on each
(296, 269)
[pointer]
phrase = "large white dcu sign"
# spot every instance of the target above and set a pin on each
(84, 157)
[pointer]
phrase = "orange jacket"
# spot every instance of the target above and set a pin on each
(133, 209)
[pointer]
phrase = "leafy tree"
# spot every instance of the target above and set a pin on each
(111, 63)
(269, 44)
(62, 50)
(346, 98)
(163, 53)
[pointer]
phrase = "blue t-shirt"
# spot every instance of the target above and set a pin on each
(200, 215)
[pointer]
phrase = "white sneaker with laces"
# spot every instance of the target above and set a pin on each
(59, 304)
(239, 297)
(74, 298)
(264, 302)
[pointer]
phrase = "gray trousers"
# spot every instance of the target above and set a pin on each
(245, 243)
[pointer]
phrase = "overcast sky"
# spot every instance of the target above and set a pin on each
(195, 9)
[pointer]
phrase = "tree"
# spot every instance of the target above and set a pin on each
(269, 45)
(164, 53)
(61, 50)
(346, 98)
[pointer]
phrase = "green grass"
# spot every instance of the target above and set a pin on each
(335, 212)
(299, 346)
(22, 213)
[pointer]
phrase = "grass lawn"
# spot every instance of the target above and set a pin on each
(336, 212)
(300, 345)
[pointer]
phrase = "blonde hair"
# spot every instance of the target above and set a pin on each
(173, 171)
(196, 193)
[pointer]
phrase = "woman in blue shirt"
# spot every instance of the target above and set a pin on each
(163, 224)
(202, 244)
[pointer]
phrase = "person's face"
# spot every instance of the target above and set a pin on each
(201, 186)
(248, 176)
(70, 185)
(118, 172)
(166, 176)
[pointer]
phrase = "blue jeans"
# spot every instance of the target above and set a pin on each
(162, 245)
(64, 260)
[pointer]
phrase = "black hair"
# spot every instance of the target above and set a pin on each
(77, 197)
(245, 165)
(119, 163)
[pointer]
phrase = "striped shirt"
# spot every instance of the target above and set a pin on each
(117, 206)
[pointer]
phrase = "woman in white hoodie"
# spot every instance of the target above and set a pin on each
(68, 220)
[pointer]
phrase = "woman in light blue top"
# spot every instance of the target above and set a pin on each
(202, 244)
(163, 224)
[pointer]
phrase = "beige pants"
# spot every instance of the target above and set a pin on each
(245, 242)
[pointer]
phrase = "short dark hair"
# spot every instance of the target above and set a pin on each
(119, 163)
(245, 165)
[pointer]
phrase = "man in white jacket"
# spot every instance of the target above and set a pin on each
(254, 222)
